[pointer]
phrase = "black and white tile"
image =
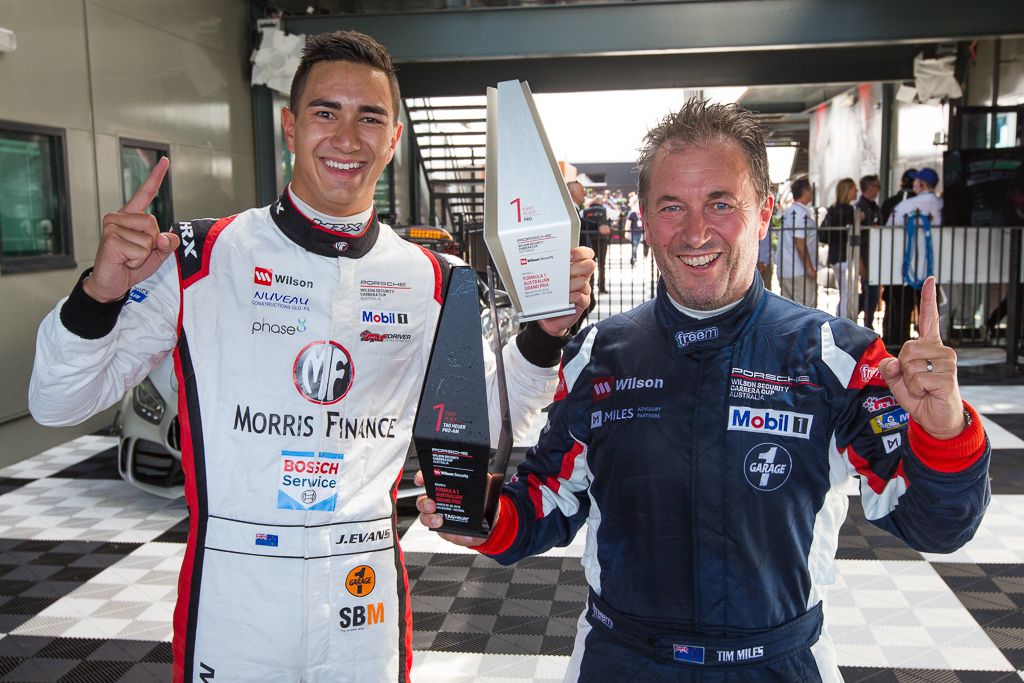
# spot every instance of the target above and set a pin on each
(88, 577)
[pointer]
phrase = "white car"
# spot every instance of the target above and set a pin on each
(149, 443)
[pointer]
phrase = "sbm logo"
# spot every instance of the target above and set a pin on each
(361, 615)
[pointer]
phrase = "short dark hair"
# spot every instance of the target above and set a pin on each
(700, 122)
(867, 181)
(799, 186)
(907, 179)
(344, 46)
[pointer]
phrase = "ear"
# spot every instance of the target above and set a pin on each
(288, 124)
(765, 217)
(394, 140)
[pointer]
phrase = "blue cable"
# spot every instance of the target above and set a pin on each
(910, 250)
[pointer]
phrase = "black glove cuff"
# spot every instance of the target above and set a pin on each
(86, 317)
(539, 347)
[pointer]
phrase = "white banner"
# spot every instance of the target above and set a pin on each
(530, 223)
(959, 255)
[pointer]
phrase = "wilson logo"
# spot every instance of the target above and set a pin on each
(603, 387)
(263, 276)
(266, 278)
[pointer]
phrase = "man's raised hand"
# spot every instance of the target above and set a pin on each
(923, 378)
(132, 246)
(581, 266)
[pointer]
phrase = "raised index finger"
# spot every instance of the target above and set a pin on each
(144, 195)
(929, 312)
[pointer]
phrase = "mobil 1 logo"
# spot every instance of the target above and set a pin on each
(767, 466)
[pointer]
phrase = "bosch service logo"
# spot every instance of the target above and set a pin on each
(323, 372)
(263, 276)
(767, 466)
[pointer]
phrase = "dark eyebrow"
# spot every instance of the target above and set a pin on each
(326, 104)
(719, 194)
(336, 106)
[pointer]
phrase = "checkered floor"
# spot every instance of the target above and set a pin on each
(88, 568)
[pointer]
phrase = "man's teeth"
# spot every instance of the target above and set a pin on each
(343, 167)
(698, 261)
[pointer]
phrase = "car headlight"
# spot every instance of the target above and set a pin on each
(147, 402)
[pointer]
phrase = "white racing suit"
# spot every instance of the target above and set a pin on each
(300, 351)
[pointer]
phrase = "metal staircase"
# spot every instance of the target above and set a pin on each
(449, 135)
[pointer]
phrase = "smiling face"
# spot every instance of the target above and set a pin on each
(343, 134)
(703, 220)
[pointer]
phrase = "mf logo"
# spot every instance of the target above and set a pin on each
(595, 419)
(767, 466)
(263, 276)
(323, 372)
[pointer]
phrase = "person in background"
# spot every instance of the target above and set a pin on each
(596, 224)
(906, 191)
(796, 254)
(871, 216)
(835, 231)
(636, 228)
(903, 298)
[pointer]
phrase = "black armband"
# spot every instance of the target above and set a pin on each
(86, 317)
(539, 347)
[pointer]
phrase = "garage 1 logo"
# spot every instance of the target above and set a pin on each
(323, 372)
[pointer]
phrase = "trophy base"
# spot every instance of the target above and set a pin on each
(495, 482)
(544, 315)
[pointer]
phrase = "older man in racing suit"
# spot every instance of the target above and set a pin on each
(707, 437)
(301, 333)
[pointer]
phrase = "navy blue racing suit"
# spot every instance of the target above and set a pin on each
(710, 460)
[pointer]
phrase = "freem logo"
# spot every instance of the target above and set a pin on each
(685, 338)
(764, 421)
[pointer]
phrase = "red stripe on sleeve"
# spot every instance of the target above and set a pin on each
(949, 455)
(505, 529)
(867, 373)
(561, 391)
(211, 237)
(437, 273)
(569, 461)
(876, 483)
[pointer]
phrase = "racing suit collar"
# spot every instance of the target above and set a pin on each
(689, 335)
(350, 241)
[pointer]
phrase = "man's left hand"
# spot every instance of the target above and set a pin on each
(581, 267)
(923, 378)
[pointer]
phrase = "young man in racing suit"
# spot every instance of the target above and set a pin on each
(301, 334)
(707, 438)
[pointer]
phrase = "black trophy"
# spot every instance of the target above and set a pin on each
(461, 472)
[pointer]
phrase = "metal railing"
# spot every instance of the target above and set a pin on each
(979, 271)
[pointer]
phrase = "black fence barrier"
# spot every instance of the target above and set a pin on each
(979, 271)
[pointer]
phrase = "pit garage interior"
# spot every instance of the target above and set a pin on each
(89, 563)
